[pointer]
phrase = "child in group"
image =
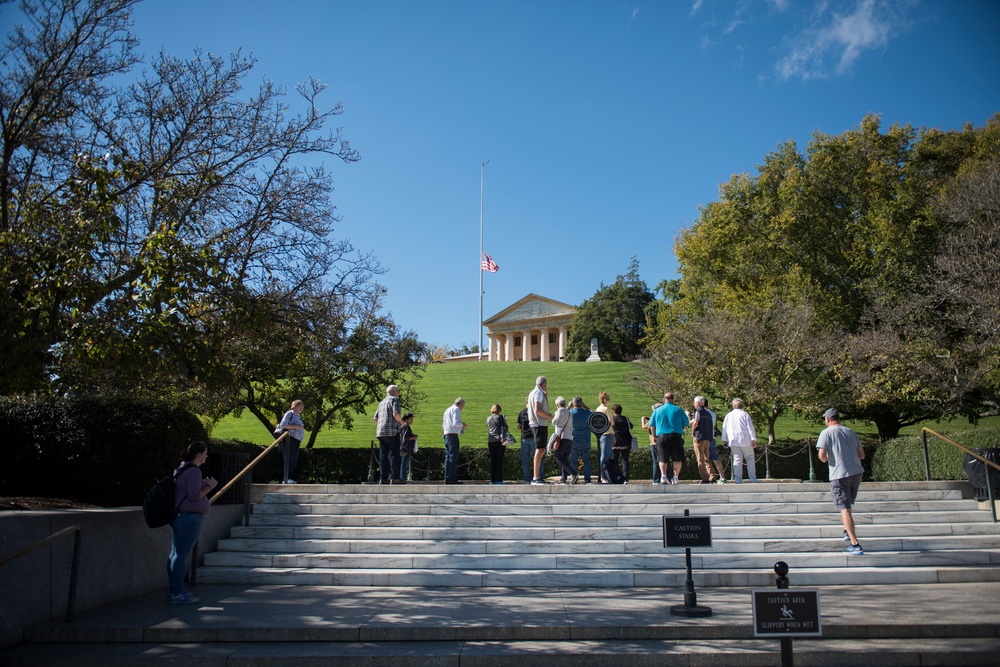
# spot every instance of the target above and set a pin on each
(407, 447)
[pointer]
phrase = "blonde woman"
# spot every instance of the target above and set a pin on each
(291, 422)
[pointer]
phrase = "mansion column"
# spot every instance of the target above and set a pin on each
(563, 337)
(492, 347)
(508, 347)
(525, 346)
(543, 344)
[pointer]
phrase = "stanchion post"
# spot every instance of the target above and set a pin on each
(781, 569)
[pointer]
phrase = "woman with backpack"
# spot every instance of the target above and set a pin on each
(191, 500)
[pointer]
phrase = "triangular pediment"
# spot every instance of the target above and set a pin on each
(532, 307)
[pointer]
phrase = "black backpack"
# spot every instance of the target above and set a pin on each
(158, 508)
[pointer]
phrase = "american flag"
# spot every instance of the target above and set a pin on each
(489, 264)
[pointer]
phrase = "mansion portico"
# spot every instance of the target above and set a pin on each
(533, 329)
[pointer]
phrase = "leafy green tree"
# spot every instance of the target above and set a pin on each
(615, 316)
(163, 233)
(849, 227)
(773, 358)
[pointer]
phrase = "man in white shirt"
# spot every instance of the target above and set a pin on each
(738, 432)
(538, 418)
(452, 425)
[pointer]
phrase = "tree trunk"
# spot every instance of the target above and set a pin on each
(888, 425)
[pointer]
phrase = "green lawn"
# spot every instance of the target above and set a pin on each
(482, 384)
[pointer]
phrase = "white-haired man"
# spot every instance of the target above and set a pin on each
(738, 432)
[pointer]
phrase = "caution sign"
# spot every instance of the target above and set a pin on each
(786, 612)
(687, 531)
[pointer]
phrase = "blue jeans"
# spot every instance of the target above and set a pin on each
(580, 451)
(290, 454)
(528, 457)
(451, 457)
(388, 457)
(656, 464)
(187, 528)
(607, 441)
(404, 465)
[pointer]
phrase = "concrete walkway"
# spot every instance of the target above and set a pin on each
(948, 624)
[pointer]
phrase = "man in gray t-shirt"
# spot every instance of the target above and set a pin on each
(841, 448)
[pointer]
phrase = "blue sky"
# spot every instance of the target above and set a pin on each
(606, 124)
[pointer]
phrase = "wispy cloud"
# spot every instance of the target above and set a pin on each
(695, 7)
(838, 40)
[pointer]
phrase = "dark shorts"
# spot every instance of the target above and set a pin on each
(541, 436)
(844, 491)
(669, 447)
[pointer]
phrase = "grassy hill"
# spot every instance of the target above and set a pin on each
(482, 384)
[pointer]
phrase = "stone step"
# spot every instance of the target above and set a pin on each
(519, 496)
(967, 652)
(573, 509)
(605, 578)
(613, 519)
(595, 545)
(562, 532)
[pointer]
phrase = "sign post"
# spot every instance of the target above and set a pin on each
(785, 613)
(688, 531)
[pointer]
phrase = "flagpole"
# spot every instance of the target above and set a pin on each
(482, 177)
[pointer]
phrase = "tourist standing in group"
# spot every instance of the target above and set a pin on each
(496, 425)
(739, 434)
(291, 422)
(702, 430)
(562, 441)
(388, 420)
(668, 422)
(713, 449)
(190, 499)
(581, 438)
(527, 445)
(453, 426)
(841, 448)
(538, 418)
(605, 442)
(644, 421)
(622, 439)
(407, 447)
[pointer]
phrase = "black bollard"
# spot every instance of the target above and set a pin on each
(781, 569)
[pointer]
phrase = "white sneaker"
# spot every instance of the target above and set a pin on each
(291, 481)
(674, 480)
(720, 481)
(664, 480)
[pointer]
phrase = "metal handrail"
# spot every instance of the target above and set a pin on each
(74, 570)
(990, 464)
(246, 497)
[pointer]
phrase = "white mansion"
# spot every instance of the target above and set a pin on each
(532, 329)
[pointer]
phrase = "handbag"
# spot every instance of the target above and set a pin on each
(635, 444)
(505, 437)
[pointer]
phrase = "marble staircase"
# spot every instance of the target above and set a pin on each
(515, 535)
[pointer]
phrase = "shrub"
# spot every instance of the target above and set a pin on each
(105, 451)
(903, 458)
